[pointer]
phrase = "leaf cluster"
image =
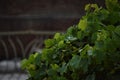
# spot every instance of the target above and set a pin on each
(89, 50)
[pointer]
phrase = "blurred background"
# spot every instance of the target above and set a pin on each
(25, 24)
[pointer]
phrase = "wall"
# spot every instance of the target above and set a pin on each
(54, 15)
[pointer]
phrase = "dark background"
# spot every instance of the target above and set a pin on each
(42, 15)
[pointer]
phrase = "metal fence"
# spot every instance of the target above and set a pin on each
(14, 46)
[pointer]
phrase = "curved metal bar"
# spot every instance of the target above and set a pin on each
(40, 42)
(6, 51)
(13, 46)
(34, 47)
(21, 46)
(14, 50)
(29, 45)
(5, 47)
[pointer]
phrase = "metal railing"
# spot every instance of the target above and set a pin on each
(15, 46)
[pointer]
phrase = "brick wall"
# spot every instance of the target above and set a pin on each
(54, 15)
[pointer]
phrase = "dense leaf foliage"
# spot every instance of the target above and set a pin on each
(87, 51)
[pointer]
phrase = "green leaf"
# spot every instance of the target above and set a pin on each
(102, 35)
(82, 24)
(90, 77)
(90, 51)
(109, 45)
(31, 58)
(38, 59)
(95, 6)
(58, 78)
(71, 38)
(47, 54)
(80, 35)
(24, 63)
(51, 72)
(61, 44)
(75, 62)
(110, 28)
(87, 7)
(99, 55)
(55, 66)
(94, 37)
(112, 5)
(103, 15)
(31, 67)
(63, 69)
(75, 76)
(57, 36)
(61, 78)
(84, 63)
(117, 31)
(70, 30)
(40, 74)
(36, 54)
(84, 51)
(116, 39)
(49, 42)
